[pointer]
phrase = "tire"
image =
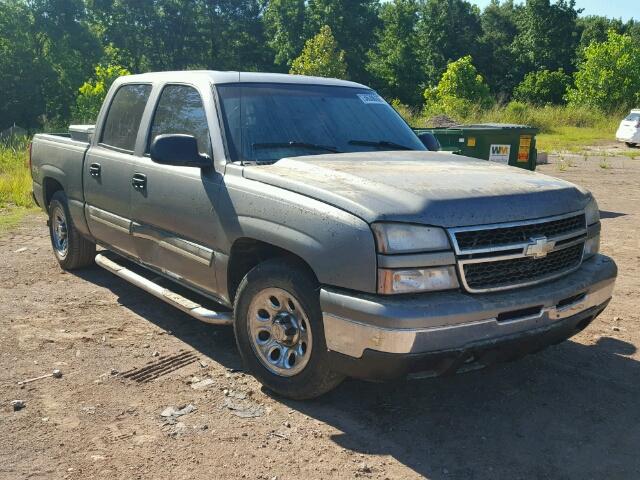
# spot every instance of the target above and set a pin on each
(301, 369)
(71, 249)
(630, 144)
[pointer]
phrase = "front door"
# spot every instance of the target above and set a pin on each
(173, 207)
(108, 169)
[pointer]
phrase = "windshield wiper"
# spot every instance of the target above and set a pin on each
(292, 144)
(380, 144)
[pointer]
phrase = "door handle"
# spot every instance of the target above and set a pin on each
(94, 170)
(139, 181)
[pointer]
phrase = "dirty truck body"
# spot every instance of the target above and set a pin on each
(308, 214)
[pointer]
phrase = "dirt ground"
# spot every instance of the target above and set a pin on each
(572, 411)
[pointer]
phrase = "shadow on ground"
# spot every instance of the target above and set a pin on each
(604, 214)
(571, 411)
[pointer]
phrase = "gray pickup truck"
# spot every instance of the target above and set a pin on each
(307, 214)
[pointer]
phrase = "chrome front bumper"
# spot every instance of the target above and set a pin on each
(451, 320)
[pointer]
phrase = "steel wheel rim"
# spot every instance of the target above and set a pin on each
(59, 231)
(280, 332)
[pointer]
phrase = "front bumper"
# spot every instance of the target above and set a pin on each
(629, 136)
(379, 337)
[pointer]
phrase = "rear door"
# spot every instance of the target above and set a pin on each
(175, 222)
(108, 169)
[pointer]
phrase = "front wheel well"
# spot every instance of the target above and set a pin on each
(50, 186)
(246, 253)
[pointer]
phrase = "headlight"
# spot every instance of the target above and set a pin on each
(591, 247)
(406, 238)
(417, 280)
(592, 212)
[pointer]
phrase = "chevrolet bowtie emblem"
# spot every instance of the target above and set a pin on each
(539, 247)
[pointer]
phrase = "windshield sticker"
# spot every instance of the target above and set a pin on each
(371, 98)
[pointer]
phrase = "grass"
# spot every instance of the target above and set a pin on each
(572, 139)
(605, 164)
(15, 182)
(11, 216)
(15, 178)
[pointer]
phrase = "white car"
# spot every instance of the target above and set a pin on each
(629, 129)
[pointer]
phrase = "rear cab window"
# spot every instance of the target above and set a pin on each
(123, 117)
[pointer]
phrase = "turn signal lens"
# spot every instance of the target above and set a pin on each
(592, 212)
(591, 247)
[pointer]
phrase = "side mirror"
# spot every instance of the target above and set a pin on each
(430, 141)
(179, 150)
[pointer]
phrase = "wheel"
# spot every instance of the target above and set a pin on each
(70, 248)
(630, 144)
(279, 331)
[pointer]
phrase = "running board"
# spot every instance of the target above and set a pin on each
(172, 298)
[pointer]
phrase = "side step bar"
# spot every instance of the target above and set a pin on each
(172, 298)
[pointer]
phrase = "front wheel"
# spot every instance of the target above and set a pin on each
(630, 144)
(279, 330)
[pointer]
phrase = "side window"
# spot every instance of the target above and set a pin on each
(124, 115)
(180, 110)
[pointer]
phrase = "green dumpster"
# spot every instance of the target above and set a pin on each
(503, 143)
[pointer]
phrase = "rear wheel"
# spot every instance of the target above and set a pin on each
(279, 330)
(71, 249)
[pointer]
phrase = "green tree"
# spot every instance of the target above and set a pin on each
(22, 68)
(393, 62)
(460, 91)
(46, 48)
(284, 25)
(353, 24)
(321, 57)
(547, 36)
(543, 87)
(496, 59)
(609, 76)
(91, 94)
(181, 34)
(69, 47)
(447, 30)
(594, 28)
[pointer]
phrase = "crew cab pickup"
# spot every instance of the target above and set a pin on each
(306, 213)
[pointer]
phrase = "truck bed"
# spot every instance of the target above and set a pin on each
(58, 158)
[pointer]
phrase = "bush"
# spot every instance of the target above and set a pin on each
(608, 78)
(460, 92)
(91, 94)
(321, 57)
(543, 87)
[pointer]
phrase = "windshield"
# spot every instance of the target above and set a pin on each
(267, 122)
(634, 117)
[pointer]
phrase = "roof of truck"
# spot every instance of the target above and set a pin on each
(235, 77)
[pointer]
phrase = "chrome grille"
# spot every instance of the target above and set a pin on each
(521, 270)
(489, 238)
(510, 255)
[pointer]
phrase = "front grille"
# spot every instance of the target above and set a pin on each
(517, 234)
(510, 273)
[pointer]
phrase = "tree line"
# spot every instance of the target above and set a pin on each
(57, 57)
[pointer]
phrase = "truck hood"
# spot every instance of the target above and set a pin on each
(423, 187)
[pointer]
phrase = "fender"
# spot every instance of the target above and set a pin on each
(325, 237)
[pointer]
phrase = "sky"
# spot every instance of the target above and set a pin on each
(625, 9)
